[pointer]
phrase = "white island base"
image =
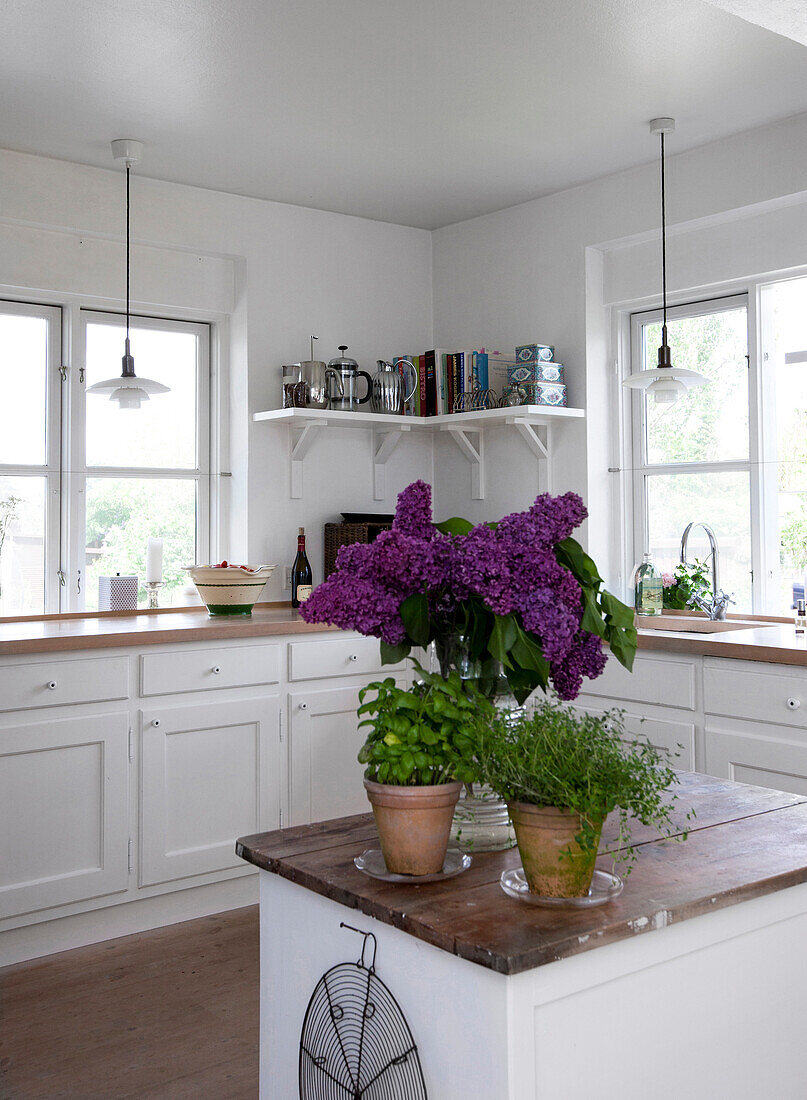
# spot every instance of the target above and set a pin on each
(714, 1007)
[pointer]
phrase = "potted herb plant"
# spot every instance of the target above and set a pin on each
(562, 773)
(417, 750)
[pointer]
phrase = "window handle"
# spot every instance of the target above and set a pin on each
(78, 583)
(62, 578)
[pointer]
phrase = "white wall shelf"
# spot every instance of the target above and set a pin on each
(533, 422)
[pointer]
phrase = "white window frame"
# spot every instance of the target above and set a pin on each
(52, 469)
(65, 470)
(636, 452)
(79, 470)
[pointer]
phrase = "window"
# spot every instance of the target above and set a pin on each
(732, 454)
(83, 483)
(693, 460)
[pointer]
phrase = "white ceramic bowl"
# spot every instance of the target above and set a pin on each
(230, 589)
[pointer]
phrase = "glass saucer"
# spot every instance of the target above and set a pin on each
(372, 863)
(604, 887)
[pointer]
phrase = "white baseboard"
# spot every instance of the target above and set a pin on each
(81, 929)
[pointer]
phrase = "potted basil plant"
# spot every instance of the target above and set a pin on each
(562, 773)
(416, 755)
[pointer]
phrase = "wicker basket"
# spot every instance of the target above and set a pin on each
(343, 534)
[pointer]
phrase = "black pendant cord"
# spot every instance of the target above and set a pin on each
(664, 357)
(128, 173)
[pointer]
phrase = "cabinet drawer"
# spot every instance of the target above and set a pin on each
(664, 683)
(770, 761)
(56, 683)
(744, 692)
(209, 669)
(677, 738)
(336, 657)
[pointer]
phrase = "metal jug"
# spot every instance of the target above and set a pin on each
(389, 391)
(346, 397)
(317, 376)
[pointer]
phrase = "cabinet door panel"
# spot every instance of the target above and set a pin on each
(780, 763)
(63, 812)
(210, 773)
(675, 737)
(325, 778)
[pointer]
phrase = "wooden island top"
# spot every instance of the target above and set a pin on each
(744, 842)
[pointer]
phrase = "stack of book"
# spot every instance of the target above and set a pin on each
(443, 376)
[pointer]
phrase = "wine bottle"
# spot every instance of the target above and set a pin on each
(301, 576)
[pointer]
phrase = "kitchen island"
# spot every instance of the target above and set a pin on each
(690, 984)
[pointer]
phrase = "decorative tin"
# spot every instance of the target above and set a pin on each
(544, 393)
(534, 371)
(117, 593)
(528, 353)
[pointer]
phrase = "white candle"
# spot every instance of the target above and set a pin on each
(154, 561)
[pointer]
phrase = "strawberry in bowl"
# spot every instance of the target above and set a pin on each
(230, 589)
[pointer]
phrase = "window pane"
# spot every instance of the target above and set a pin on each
(22, 545)
(711, 423)
(162, 432)
(121, 515)
(789, 382)
(720, 499)
(23, 383)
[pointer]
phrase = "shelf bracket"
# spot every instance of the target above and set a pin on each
(384, 443)
(475, 453)
(541, 448)
(300, 442)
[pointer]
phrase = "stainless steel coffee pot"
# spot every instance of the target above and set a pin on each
(346, 397)
(390, 394)
(320, 380)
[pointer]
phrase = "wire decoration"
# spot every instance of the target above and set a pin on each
(474, 400)
(355, 1042)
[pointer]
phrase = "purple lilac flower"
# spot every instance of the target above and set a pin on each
(586, 658)
(413, 516)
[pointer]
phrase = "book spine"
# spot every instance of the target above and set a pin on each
(431, 385)
(451, 371)
(421, 391)
(482, 370)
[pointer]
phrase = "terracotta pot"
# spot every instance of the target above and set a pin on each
(413, 824)
(555, 865)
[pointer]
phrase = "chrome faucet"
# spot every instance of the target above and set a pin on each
(716, 607)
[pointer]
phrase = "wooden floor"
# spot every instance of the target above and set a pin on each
(166, 1014)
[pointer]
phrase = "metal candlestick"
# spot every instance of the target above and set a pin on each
(153, 587)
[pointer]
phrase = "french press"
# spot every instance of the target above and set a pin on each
(347, 374)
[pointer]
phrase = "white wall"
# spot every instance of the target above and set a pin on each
(736, 208)
(278, 273)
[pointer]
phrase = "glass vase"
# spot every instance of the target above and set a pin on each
(481, 822)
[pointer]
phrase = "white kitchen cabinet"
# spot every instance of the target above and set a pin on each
(53, 682)
(210, 772)
(672, 734)
(209, 669)
(64, 823)
(766, 755)
(660, 681)
(328, 657)
(325, 778)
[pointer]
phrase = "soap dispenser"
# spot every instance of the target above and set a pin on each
(648, 588)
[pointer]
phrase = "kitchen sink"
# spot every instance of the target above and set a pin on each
(687, 625)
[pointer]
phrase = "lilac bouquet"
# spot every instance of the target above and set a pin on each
(520, 592)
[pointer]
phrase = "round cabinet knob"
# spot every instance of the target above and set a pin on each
(155, 721)
(52, 685)
(354, 657)
(216, 669)
(793, 704)
(303, 706)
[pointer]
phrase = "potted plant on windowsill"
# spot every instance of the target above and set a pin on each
(562, 773)
(417, 750)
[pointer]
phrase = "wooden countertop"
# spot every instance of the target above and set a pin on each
(774, 643)
(745, 842)
(51, 633)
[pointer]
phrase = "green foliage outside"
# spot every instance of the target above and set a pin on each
(420, 736)
(122, 514)
(571, 760)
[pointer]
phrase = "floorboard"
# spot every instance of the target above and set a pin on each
(163, 1015)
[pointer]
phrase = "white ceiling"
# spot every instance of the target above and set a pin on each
(422, 112)
(787, 17)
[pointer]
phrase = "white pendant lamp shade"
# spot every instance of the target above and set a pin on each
(666, 383)
(127, 390)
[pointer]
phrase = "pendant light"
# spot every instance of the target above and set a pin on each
(128, 391)
(665, 382)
